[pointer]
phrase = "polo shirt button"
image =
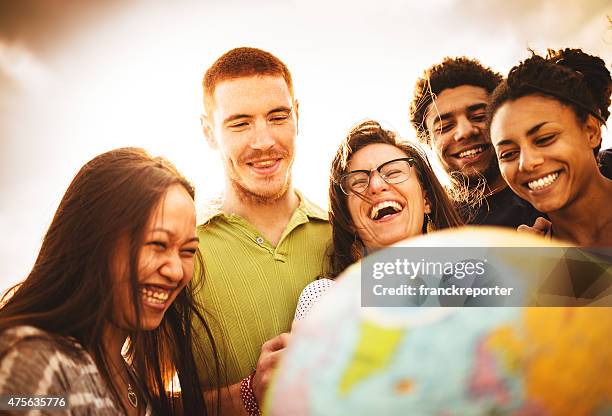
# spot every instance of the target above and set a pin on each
(259, 240)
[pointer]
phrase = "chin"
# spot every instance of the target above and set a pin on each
(546, 206)
(270, 192)
(151, 324)
(392, 239)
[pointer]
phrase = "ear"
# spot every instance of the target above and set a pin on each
(207, 129)
(426, 204)
(592, 128)
(296, 108)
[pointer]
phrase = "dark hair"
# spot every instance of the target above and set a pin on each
(450, 73)
(239, 63)
(347, 247)
(67, 291)
(570, 76)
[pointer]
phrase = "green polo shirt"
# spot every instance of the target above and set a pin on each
(250, 287)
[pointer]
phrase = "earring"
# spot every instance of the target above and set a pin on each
(430, 226)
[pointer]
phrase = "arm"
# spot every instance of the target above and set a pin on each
(230, 400)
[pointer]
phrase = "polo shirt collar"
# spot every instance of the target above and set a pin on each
(308, 208)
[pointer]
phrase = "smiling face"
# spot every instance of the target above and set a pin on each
(165, 264)
(254, 125)
(393, 212)
(545, 154)
(455, 122)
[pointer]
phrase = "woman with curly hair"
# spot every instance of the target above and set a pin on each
(545, 124)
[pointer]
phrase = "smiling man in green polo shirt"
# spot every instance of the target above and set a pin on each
(268, 241)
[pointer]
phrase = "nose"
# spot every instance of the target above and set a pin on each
(465, 129)
(172, 268)
(530, 160)
(377, 183)
(263, 138)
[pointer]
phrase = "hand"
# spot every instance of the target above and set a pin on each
(271, 352)
(541, 227)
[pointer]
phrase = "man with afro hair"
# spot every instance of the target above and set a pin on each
(449, 111)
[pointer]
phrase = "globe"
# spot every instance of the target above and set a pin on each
(345, 359)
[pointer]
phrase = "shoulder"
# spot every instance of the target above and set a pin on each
(605, 162)
(23, 338)
(36, 362)
(311, 295)
(312, 210)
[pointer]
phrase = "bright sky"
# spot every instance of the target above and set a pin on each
(132, 78)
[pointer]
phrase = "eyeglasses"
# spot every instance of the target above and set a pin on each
(394, 171)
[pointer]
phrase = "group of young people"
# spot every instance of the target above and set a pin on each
(128, 300)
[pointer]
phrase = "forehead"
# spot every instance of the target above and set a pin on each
(515, 118)
(456, 100)
(250, 95)
(174, 211)
(374, 155)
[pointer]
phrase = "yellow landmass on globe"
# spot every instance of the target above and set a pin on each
(373, 353)
(509, 348)
(571, 371)
(564, 356)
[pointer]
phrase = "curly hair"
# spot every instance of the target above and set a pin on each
(570, 76)
(242, 62)
(450, 73)
(347, 246)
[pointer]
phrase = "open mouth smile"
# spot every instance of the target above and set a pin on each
(154, 296)
(266, 166)
(470, 153)
(385, 209)
(543, 182)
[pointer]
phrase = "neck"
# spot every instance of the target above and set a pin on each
(268, 217)
(253, 207)
(587, 221)
(114, 338)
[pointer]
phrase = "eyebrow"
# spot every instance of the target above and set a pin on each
(535, 128)
(530, 132)
(274, 110)
(163, 230)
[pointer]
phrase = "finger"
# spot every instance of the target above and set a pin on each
(276, 343)
(526, 229)
(269, 360)
(542, 224)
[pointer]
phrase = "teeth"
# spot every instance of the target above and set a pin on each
(471, 152)
(264, 163)
(395, 205)
(543, 182)
(155, 295)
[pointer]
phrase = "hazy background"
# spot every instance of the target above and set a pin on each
(80, 77)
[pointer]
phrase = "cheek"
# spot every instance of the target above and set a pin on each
(438, 144)
(146, 263)
(188, 269)
(231, 146)
(353, 206)
(508, 170)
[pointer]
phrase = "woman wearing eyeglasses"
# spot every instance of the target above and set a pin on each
(382, 190)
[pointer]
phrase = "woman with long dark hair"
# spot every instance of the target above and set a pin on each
(115, 265)
(545, 125)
